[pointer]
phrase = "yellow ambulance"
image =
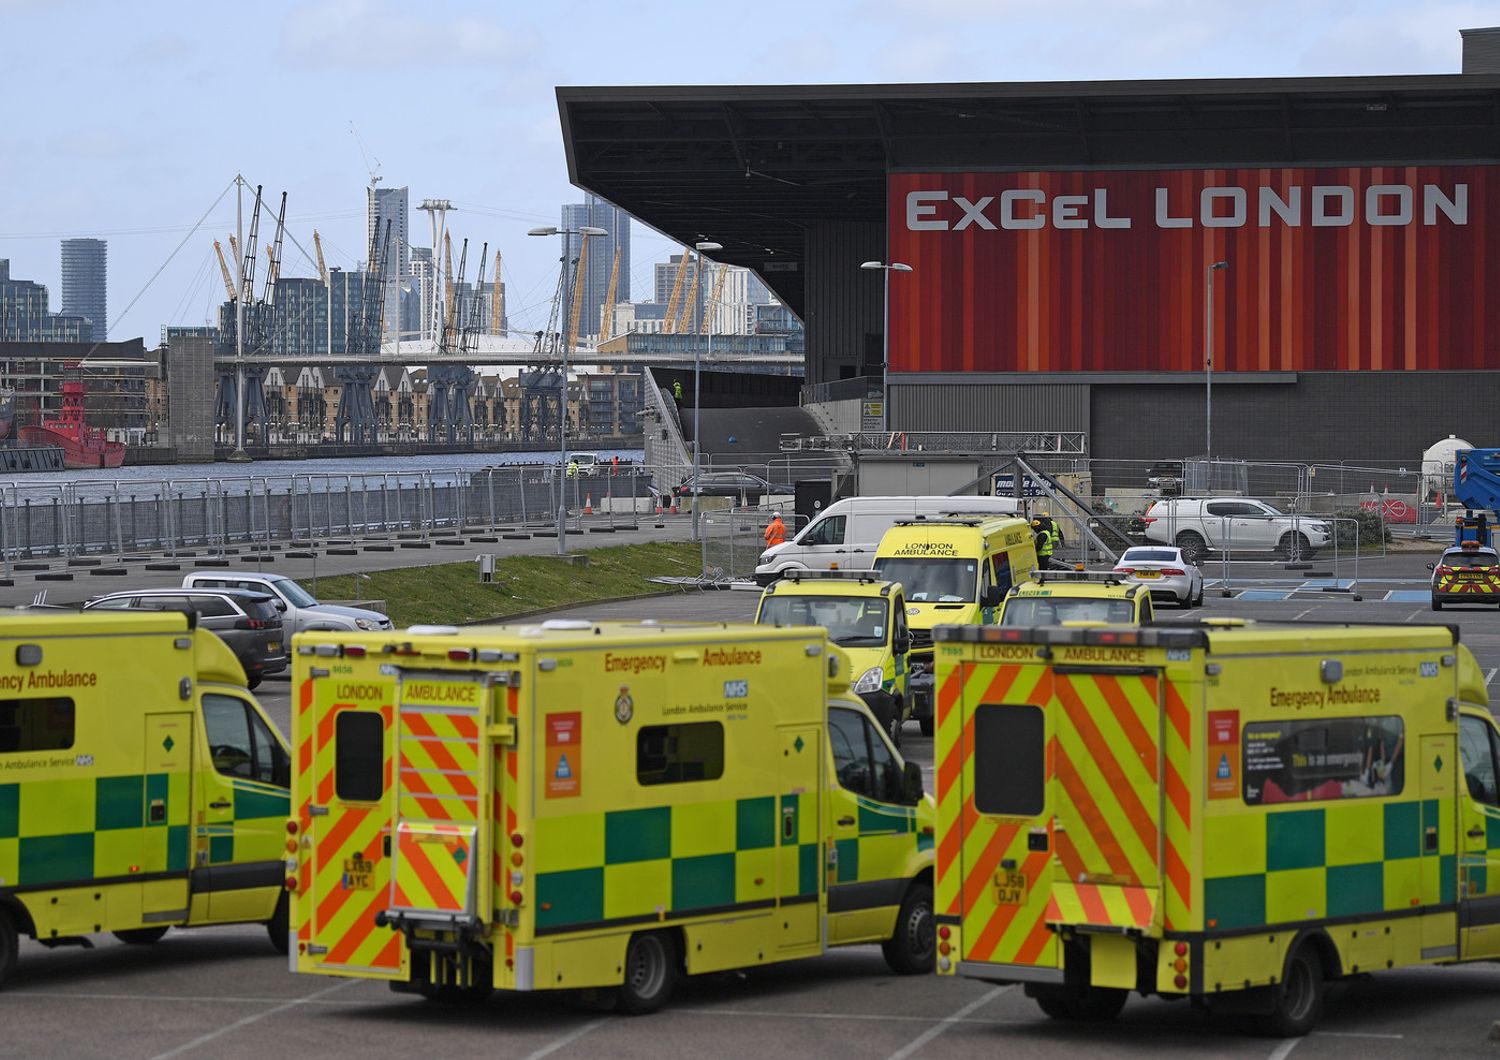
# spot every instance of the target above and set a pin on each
(956, 570)
(1232, 813)
(141, 786)
(576, 805)
(1060, 597)
(866, 617)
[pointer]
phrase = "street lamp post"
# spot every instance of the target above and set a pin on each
(701, 248)
(1208, 375)
(583, 232)
(885, 335)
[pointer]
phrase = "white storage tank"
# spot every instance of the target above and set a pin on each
(1437, 465)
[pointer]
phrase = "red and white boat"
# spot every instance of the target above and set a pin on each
(82, 446)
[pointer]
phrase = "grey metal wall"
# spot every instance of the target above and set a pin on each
(190, 398)
(845, 304)
(1380, 417)
(970, 406)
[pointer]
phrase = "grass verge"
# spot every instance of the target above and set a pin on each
(453, 593)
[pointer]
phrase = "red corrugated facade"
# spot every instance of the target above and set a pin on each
(1412, 281)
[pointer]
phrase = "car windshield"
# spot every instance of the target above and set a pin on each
(853, 621)
(932, 581)
(1458, 558)
(295, 594)
(1054, 611)
(1149, 555)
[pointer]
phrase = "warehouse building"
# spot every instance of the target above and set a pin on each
(1063, 238)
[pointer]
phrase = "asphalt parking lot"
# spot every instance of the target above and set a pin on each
(223, 992)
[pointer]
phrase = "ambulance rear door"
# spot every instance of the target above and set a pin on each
(345, 801)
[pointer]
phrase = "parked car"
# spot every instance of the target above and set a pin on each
(1165, 476)
(1165, 571)
(1469, 574)
(739, 484)
(1237, 524)
(300, 610)
(247, 621)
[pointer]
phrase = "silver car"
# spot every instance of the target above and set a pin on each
(300, 610)
(1165, 572)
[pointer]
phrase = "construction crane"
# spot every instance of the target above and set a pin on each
(497, 300)
(224, 270)
(674, 300)
(318, 248)
(713, 299)
(447, 281)
(247, 273)
(689, 307)
(468, 338)
(607, 328)
(273, 252)
(577, 307)
(234, 248)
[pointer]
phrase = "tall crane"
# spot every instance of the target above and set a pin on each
(447, 281)
(689, 307)
(224, 270)
(273, 252)
(675, 298)
(713, 299)
(577, 308)
(607, 328)
(318, 248)
(497, 301)
(247, 274)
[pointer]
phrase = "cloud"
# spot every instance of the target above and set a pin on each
(377, 34)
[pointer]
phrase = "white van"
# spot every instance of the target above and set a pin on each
(845, 534)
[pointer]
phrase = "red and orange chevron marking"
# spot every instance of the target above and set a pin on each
(439, 764)
(1107, 781)
(433, 863)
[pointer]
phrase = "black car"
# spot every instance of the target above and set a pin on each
(247, 621)
(736, 484)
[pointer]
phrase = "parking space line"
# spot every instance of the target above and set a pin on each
(913, 1046)
(1489, 676)
(857, 1017)
(285, 1006)
(1282, 1051)
(566, 1040)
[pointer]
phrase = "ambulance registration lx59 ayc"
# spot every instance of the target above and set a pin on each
(570, 805)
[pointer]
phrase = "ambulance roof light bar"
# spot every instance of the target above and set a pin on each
(869, 576)
(1103, 577)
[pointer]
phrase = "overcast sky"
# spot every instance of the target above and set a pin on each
(127, 120)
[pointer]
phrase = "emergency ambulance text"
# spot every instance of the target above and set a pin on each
(35, 679)
(927, 548)
(1323, 697)
(634, 664)
(441, 692)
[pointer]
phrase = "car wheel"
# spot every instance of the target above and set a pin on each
(1294, 547)
(650, 973)
(1094, 1004)
(1298, 998)
(1198, 600)
(1192, 545)
(913, 947)
(252, 682)
(141, 936)
(925, 725)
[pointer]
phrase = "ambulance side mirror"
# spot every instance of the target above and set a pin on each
(902, 645)
(1432, 566)
(994, 596)
(912, 788)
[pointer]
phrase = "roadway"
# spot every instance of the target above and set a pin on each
(222, 992)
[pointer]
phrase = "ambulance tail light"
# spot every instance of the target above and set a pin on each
(460, 654)
(354, 651)
(1180, 965)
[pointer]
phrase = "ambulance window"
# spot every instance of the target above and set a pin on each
(358, 756)
(1010, 760)
(678, 754)
(241, 744)
(1003, 579)
(1479, 760)
(43, 724)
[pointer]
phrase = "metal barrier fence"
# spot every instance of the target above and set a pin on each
(43, 520)
(734, 538)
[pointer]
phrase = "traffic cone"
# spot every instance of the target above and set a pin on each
(674, 504)
(658, 504)
(588, 504)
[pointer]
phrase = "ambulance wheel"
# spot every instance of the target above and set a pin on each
(1096, 1004)
(279, 926)
(650, 973)
(925, 725)
(894, 726)
(912, 949)
(141, 936)
(1298, 998)
(10, 945)
(1437, 605)
(252, 682)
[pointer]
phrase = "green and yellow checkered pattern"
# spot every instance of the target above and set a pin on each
(673, 860)
(43, 841)
(1350, 859)
(886, 837)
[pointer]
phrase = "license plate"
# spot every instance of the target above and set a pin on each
(1148, 574)
(359, 874)
(1011, 888)
(1471, 577)
(274, 647)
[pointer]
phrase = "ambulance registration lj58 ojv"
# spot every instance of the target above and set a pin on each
(1232, 814)
(569, 805)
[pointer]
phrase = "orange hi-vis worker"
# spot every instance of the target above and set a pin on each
(775, 531)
